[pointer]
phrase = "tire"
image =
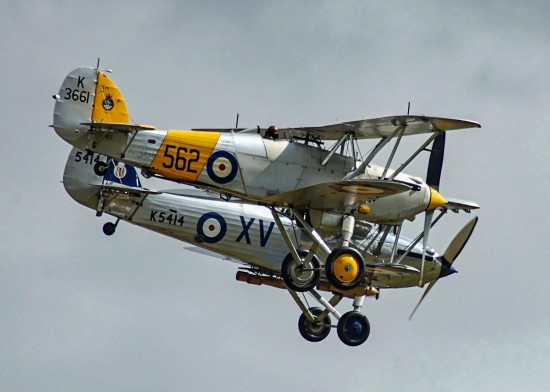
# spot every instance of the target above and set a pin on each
(345, 268)
(298, 280)
(109, 228)
(353, 328)
(317, 331)
(100, 168)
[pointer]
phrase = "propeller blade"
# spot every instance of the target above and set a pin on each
(460, 240)
(427, 226)
(435, 163)
(432, 284)
(450, 255)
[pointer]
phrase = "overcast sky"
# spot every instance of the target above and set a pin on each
(136, 312)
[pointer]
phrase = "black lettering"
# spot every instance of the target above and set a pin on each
(192, 160)
(153, 216)
(181, 161)
(166, 154)
(264, 238)
(246, 227)
(80, 81)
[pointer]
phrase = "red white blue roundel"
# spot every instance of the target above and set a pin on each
(211, 227)
(222, 167)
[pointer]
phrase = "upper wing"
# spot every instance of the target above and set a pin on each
(337, 195)
(381, 127)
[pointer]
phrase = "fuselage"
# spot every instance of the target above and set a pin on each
(239, 164)
(240, 231)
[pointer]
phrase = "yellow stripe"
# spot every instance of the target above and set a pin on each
(183, 154)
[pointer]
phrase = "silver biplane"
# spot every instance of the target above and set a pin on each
(247, 233)
(330, 193)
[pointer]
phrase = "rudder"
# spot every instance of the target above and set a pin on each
(87, 95)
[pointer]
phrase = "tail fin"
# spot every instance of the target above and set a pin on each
(87, 95)
(82, 182)
(119, 173)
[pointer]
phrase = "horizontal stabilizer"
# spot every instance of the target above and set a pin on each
(125, 190)
(121, 127)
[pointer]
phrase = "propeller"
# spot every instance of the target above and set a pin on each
(435, 163)
(450, 255)
(433, 177)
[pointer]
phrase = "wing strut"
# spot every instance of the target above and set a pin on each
(419, 237)
(335, 147)
(377, 149)
(312, 233)
(414, 155)
(286, 238)
(397, 235)
(390, 159)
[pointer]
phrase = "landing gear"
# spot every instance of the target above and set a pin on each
(314, 331)
(147, 173)
(304, 276)
(109, 228)
(353, 328)
(100, 168)
(345, 268)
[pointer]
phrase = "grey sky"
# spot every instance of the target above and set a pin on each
(136, 312)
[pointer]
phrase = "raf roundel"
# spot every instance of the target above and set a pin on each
(211, 227)
(222, 167)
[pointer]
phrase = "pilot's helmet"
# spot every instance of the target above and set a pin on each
(273, 132)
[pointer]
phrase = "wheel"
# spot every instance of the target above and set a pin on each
(345, 268)
(353, 328)
(100, 168)
(294, 275)
(146, 173)
(109, 228)
(314, 331)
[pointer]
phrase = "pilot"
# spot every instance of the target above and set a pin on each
(272, 133)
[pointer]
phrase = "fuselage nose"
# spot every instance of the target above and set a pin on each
(436, 200)
(446, 269)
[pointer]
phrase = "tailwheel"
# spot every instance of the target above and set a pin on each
(314, 331)
(109, 228)
(302, 276)
(353, 328)
(100, 168)
(345, 268)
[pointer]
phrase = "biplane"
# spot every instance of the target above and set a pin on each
(332, 192)
(247, 234)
